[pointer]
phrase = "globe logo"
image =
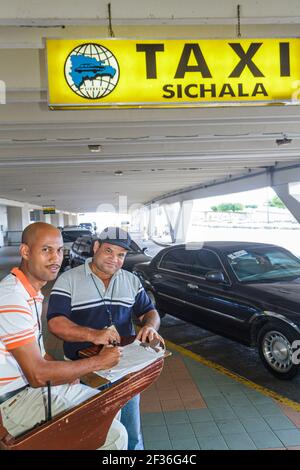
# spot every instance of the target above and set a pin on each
(91, 71)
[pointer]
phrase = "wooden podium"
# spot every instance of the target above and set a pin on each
(85, 426)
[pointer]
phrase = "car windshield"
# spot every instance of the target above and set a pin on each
(264, 265)
(71, 235)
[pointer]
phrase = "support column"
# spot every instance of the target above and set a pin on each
(290, 196)
(57, 219)
(179, 216)
(17, 218)
(3, 223)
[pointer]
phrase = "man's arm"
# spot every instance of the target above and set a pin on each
(67, 330)
(150, 324)
(39, 371)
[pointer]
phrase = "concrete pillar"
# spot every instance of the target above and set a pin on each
(66, 219)
(3, 223)
(178, 217)
(57, 219)
(292, 201)
(17, 218)
(73, 219)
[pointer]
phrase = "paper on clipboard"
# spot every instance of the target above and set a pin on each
(134, 358)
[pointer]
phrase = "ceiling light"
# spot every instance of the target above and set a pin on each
(94, 148)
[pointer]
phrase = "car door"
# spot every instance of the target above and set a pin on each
(216, 306)
(169, 282)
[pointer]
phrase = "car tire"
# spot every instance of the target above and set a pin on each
(153, 300)
(274, 344)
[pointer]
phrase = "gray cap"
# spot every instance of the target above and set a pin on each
(115, 236)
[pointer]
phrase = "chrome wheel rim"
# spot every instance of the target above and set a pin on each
(277, 351)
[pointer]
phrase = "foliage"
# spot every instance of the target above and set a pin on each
(228, 207)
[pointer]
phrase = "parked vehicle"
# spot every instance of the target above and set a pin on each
(70, 234)
(249, 292)
(82, 249)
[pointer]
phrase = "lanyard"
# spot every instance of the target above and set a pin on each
(39, 324)
(108, 309)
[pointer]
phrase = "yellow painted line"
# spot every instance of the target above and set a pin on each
(238, 378)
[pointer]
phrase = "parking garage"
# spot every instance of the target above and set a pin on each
(194, 134)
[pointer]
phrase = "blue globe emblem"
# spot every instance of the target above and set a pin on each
(91, 71)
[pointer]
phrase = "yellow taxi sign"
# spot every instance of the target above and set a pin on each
(165, 73)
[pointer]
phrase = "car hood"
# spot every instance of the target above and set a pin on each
(277, 295)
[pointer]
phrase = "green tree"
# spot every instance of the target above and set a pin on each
(276, 202)
(228, 207)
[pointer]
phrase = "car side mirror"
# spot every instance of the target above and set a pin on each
(215, 276)
(145, 250)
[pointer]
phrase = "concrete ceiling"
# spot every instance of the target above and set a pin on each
(145, 153)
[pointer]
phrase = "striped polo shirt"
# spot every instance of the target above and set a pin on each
(81, 296)
(19, 325)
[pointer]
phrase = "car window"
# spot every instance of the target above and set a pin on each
(176, 260)
(264, 265)
(194, 262)
(205, 261)
(85, 246)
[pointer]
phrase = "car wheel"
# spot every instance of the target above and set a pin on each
(275, 350)
(153, 300)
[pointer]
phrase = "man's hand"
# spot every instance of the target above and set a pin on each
(108, 357)
(106, 336)
(148, 333)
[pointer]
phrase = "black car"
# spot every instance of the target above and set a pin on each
(249, 292)
(82, 249)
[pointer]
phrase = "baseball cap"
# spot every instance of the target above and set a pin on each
(115, 236)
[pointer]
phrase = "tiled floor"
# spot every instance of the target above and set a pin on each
(192, 407)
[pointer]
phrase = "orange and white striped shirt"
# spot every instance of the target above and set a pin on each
(19, 325)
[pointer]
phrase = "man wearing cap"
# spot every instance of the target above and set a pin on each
(95, 303)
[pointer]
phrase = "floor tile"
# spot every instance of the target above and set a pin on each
(277, 422)
(265, 440)
(221, 412)
(268, 409)
(158, 445)
(153, 419)
(199, 416)
(176, 417)
(212, 443)
(176, 430)
(289, 437)
(205, 429)
(254, 424)
(230, 426)
(171, 405)
(246, 411)
(152, 433)
(239, 441)
(185, 444)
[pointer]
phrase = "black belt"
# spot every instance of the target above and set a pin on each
(8, 395)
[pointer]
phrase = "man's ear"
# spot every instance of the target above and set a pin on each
(96, 247)
(24, 251)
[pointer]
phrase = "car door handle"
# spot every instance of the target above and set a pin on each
(192, 286)
(157, 276)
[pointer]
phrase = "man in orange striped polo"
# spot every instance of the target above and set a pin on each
(25, 369)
